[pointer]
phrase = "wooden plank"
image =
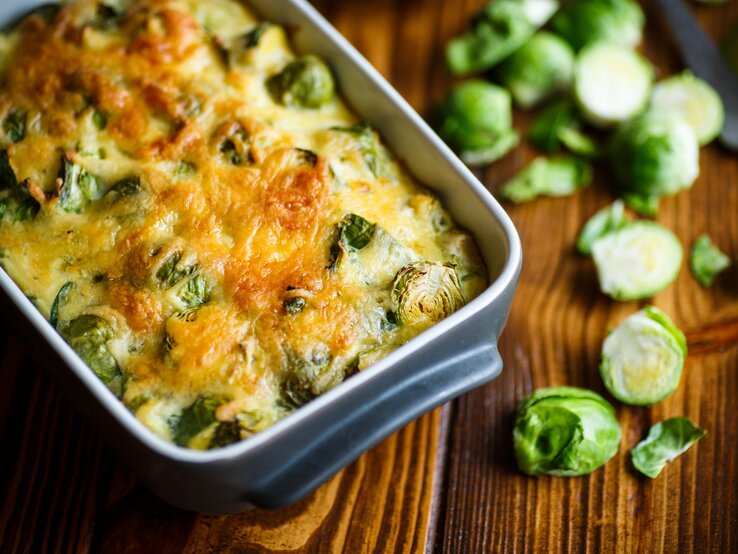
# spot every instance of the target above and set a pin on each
(558, 322)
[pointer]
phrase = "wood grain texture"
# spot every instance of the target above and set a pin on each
(425, 489)
(554, 336)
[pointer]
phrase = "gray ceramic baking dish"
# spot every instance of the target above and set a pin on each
(287, 461)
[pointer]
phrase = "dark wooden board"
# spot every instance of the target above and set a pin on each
(448, 481)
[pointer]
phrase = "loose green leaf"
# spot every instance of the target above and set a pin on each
(61, 297)
(194, 419)
(580, 144)
(544, 132)
(607, 220)
(14, 125)
(560, 176)
(564, 431)
(707, 261)
(88, 335)
(665, 441)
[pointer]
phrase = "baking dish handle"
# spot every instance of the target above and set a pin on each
(356, 422)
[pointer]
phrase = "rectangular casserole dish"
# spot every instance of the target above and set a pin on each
(290, 459)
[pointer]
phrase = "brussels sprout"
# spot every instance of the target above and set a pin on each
(225, 433)
(695, 101)
(172, 271)
(294, 305)
(647, 205)
(194, 419)
(541, 67)
(88, 335)
(656, 154)
(558, 176)
(126, 187)
(611, 83)
(730, 47)
(194, 292)
(370, 148)
(582, 22)
(642, 359)
(107, 16)
(609, 219)
(707, 261)
(307, 377)
(306, 82)
(99, 120)
(14, 125)
(564, 431)
(497, 31)
(665, 441)
(26, 209)
(253, 37)
(424, 293)
(637, 261)
(236, 148)
(78, 188)
(476, 121)
(59, 299)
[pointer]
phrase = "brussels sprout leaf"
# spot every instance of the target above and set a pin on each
(559, 176)
(14, 125)
(605, 221)
(88, 335)
(60, 298)
(355, 232)
(194, 419)
(665, 441)
(707, 261)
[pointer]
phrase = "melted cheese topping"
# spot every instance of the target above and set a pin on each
(216, 273)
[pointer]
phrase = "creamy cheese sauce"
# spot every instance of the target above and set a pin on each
(145, 161)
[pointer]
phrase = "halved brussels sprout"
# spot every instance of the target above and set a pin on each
(557, 176)
(642, 358)
(424, 293)
(707, 261)
(306, 82)
(609, 219)
(665, 441)
(582, 22)
(611, 83)
(564, 431)
(173, 270)
(370, 147)
(655, 154)
(498, 30)
(194, 292)
(89, 335)
(695, 101)
(475, 119)
(637, 261)
(541, 67)
(194, 419)
(78, 188)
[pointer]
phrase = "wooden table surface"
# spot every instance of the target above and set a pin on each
(447, 482)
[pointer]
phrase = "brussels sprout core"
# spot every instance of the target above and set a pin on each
(642, 359)
(564, 431)
(425, 293)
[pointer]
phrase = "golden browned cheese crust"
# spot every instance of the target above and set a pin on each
(198, 216)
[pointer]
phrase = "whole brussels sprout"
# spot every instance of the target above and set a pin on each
(475, 119)
(564, 431)
(307, 82)
(581, 22)
(425, 293)
(655, 154)
(541, 67)
(642, 359)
